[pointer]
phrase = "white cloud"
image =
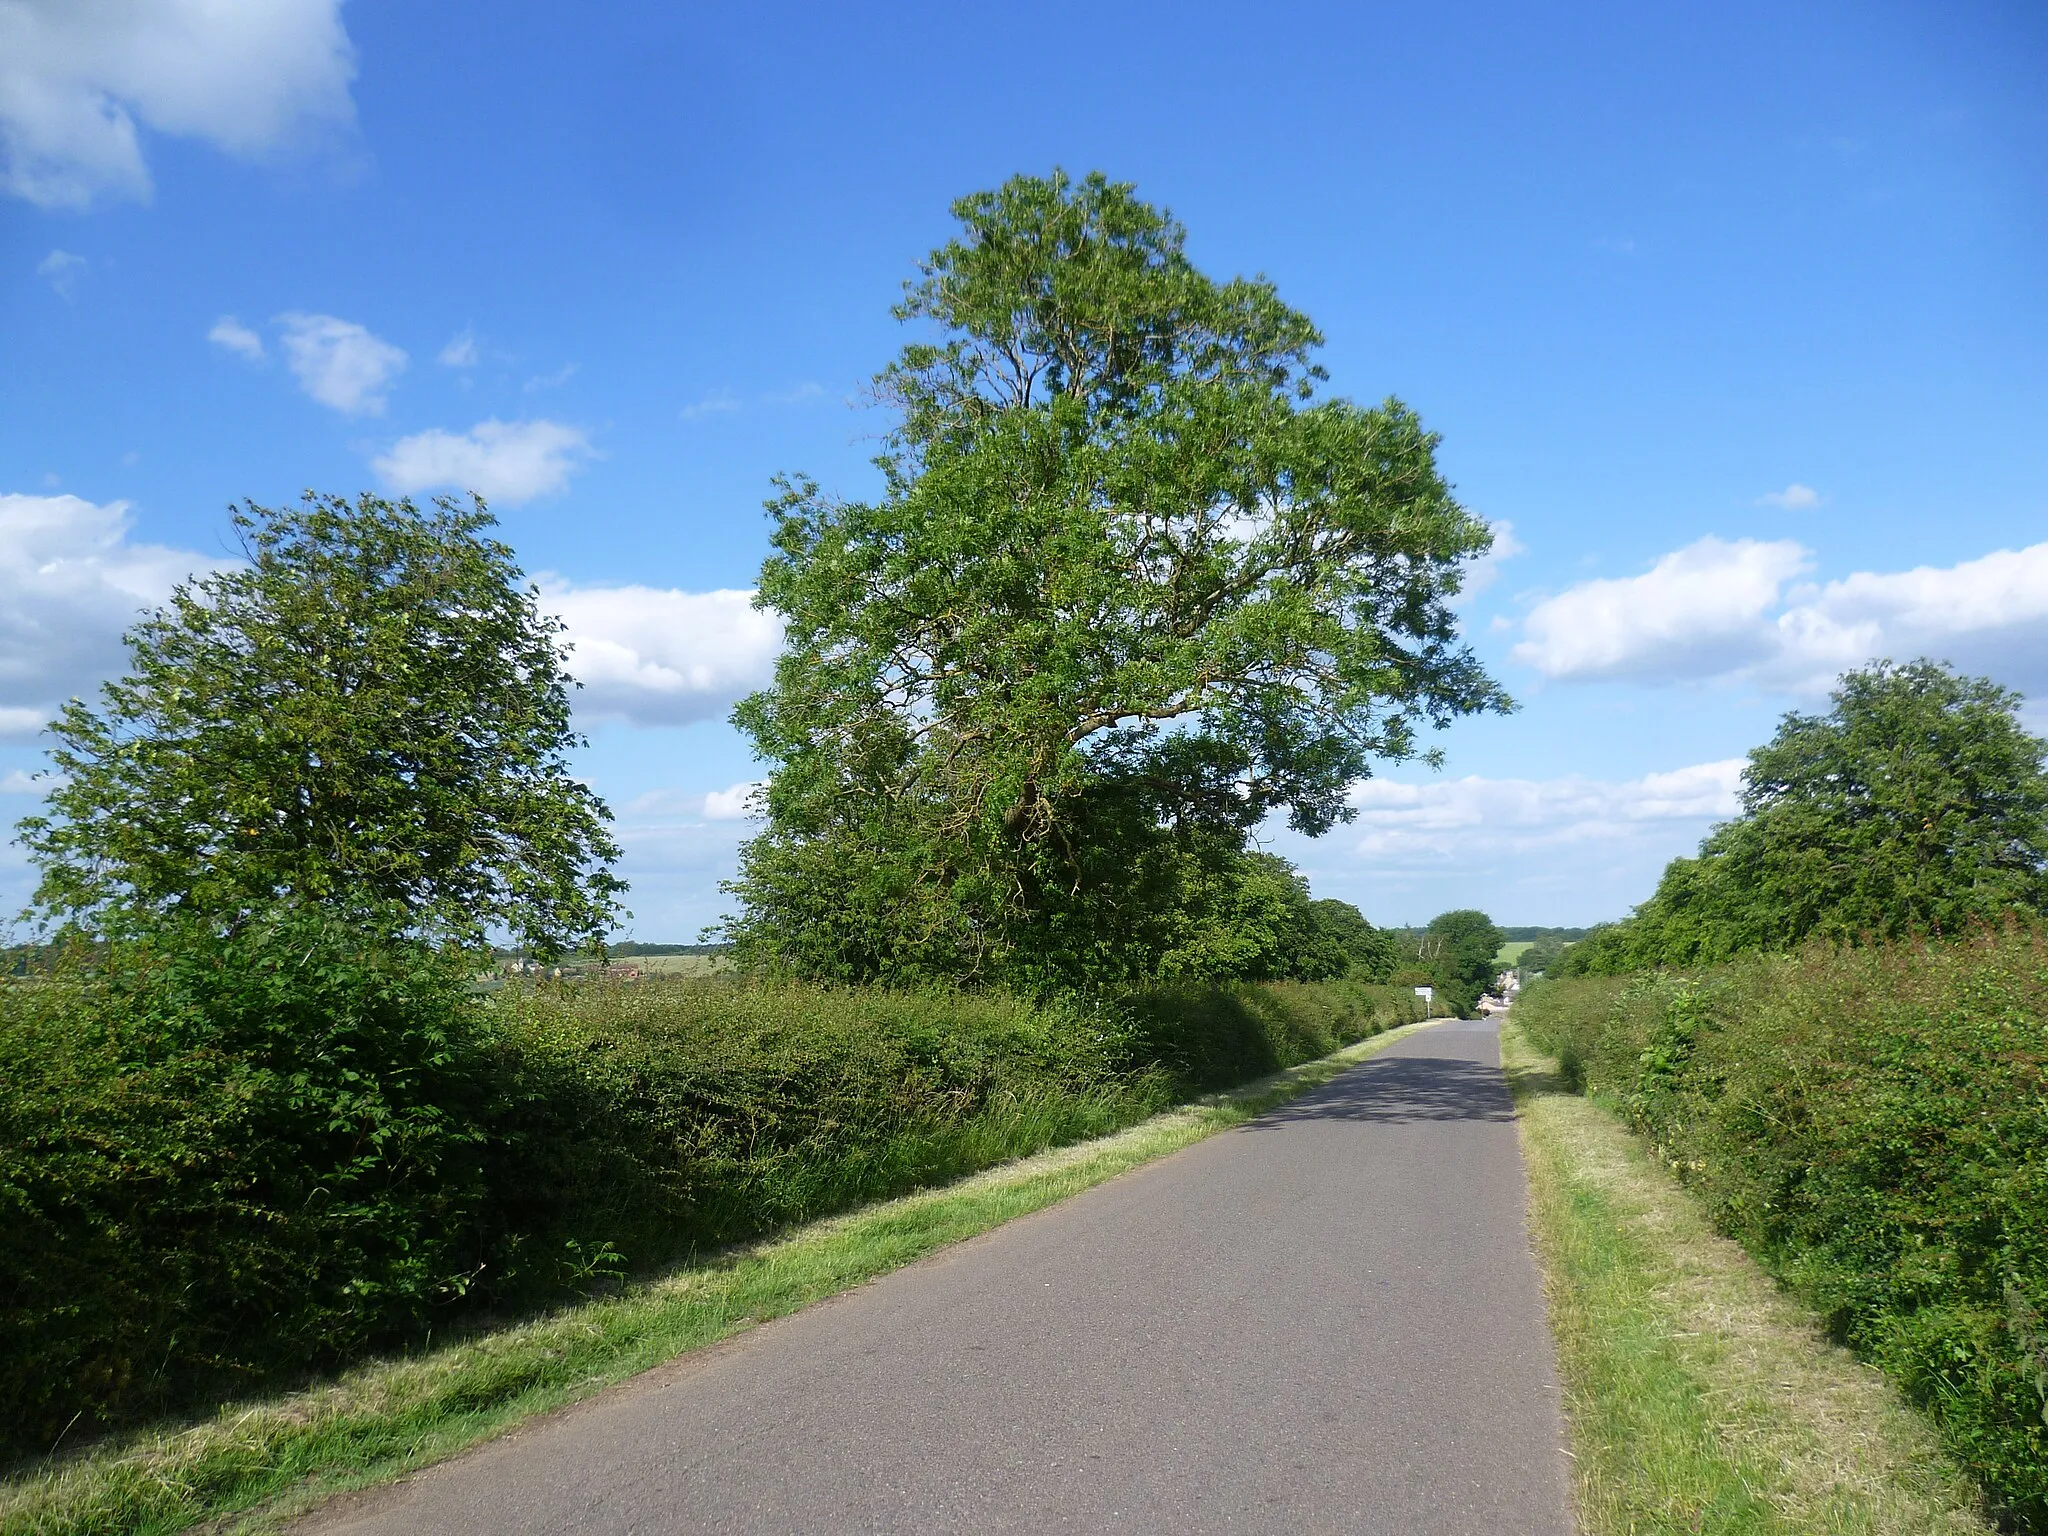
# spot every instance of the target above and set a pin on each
(1698, 611)
(16, 782)
(555, 380)
(731, 804)
(1485, 571)
(70, 583)
(1728, 610)
(339, 363)
(1987, 615)
(712, 405)
(1794, 498)
(460, 352)
(231, 335)
(505, 461)
(1563, 850)
(663, 657)
(734, 804)
(77, 77)
(1468, 820)
(802, 394)
(61, 269)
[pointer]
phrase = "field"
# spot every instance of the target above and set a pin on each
(679, 965)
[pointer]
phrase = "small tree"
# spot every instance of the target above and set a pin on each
(1131, 588)
(369, 716)
(1917, 805)
(1351, 945)
(1459, 947)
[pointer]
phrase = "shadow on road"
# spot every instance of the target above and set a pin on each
(1400, 1088)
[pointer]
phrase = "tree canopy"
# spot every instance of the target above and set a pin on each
(370, 714)
(1133, 586)
(1916, 805)
(1456, 951)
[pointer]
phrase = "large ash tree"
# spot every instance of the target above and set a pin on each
(1134, 584)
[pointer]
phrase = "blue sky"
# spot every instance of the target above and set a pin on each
(1735, 318)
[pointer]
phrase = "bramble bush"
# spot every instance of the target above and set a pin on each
(226, 1163)
(1872, 1124)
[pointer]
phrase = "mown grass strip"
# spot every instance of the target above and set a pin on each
(268, 1461)
(1701, 1397)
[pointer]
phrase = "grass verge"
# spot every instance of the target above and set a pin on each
(1701, 1397)
(253, 1466)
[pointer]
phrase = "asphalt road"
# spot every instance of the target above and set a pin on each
(1327, 1320)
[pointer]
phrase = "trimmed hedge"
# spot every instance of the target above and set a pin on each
(224, 1166)
(1872, 1124)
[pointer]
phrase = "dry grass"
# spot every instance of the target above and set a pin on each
(254, 1466)
(1702, 1398)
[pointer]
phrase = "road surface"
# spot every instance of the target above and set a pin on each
(1326, 1320)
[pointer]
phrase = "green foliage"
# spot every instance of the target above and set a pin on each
(370, 715)
(1542, 955)
(1132, 587)
(1873, 1125)
(227, 1162)
(1455, 955)
(225, 1157)
(1917, 805)
(1345, 944)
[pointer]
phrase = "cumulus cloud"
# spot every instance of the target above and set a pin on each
(657, 656)
(1986, 615)
(16, 782)
(339, 363)
(1794, 498)
(70, 583)
(230, 335)
(460, 352)
(1564, 850)
(78, 78)
(1732, 610)
(1459, 821)
(734, 804)
(731, 804)
(503, 461)
(60, 270)
(1698, 611)
(1485, 571)
(802, 394)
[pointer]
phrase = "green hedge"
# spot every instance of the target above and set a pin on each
(1872, 1124)
(224, 1166)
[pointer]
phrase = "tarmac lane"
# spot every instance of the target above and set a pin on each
(1328, 1319)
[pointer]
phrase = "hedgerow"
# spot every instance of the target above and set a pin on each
(229, 1164)
(1872, 1124)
